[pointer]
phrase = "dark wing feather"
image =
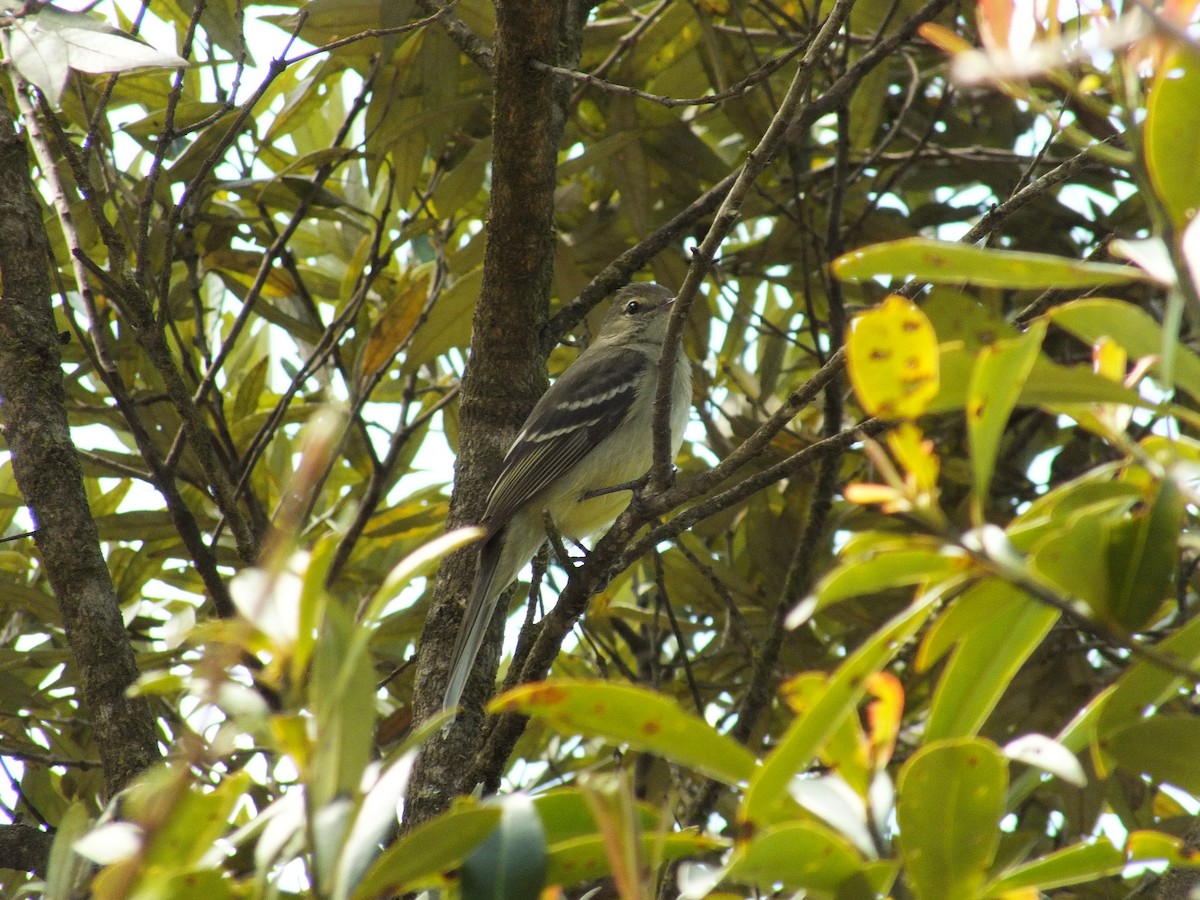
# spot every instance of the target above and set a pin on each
(581, 409)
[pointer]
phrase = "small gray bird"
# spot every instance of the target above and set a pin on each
(590, 431)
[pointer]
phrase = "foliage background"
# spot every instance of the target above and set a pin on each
(265, 280)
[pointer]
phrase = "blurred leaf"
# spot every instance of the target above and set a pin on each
(431, 849)
(872, 574)
(799, 855)
(949, 263)
(581, 859)
(1145, 685)
(1074, 865)
(342, 687)
(1130, 326)
(1171, 136)
(1142, 557)
(1165, 748)
(66, 871)
(951, 801)
(1048, 755)
(511, 862)
(636, 716)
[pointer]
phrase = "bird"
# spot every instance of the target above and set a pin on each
(591, 431)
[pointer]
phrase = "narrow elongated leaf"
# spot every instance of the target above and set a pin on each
(799, 855)
(1142, 557)
(585, 858)
(428, 851)
(641, 718)
(984, 663)
(1072, 865)
(809, 733)
(1145, 685)
(996, 382)
(950, 263)
(888, 570)
(1130, 326)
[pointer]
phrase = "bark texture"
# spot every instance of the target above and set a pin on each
(507, 370)
(48, 473)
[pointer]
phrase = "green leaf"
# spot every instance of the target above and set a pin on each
(1166, 748)
(1048, 384)
(1072, 558)
(799, 855)
(1155, 846)
(950, 263)
(951, 798)
(565, 814)
(375, 816)
(1072, 865)
(1142, 557)
(1131, 327)
(511, 862)
(197, 817)
(807, 735)
(889, 569)
(66, 870)
(428, 851)
(342, 685)
(996, 382)
(641, 718)
(585, 858)
(986, 660)
(1172, 137)
(1145, 685)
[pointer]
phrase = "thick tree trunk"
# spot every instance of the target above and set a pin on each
(48, 473)
(507, 371)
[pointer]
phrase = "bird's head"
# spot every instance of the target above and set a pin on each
(639, 312)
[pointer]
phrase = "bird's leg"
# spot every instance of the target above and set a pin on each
(556, 542)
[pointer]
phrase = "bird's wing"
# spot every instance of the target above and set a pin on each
(581, 409)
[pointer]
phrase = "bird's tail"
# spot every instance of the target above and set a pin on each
(478, 614)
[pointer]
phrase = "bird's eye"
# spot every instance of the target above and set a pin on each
(632, 307)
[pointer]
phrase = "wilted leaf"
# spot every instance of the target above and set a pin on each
(395, 326)
(892, 358)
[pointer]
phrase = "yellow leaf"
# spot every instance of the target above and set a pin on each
(892, 356)
(915, 455)
(1109, 359)
(870, 494)
(884, 714)
(395, 326)
(943, 38)
(242, 266)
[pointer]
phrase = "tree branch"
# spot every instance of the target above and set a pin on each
(50, 477)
